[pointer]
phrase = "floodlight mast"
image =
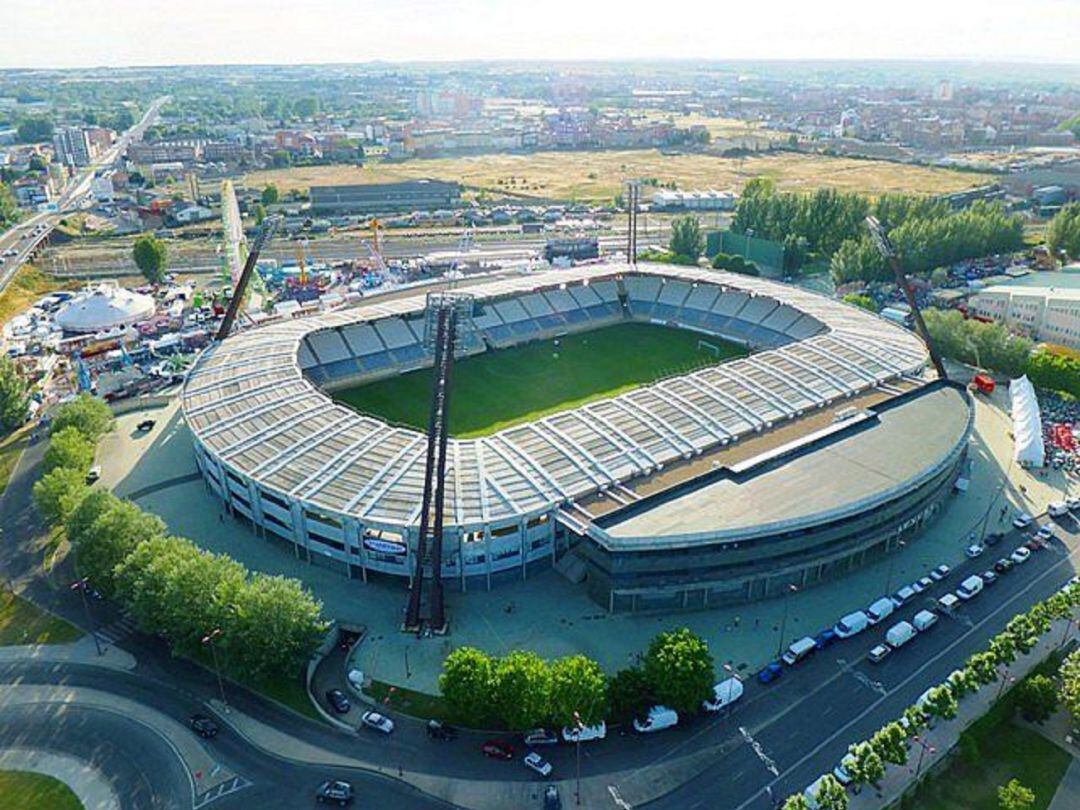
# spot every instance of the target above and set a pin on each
(885, 247)
(265, 234)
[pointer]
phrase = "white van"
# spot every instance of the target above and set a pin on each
(724, 694)
(900, 634)
(948, 601)
(798, 651)
(924, 620)
(881, 609)
(852, 624)
(970, 587)
(658, 718)
(586, 734)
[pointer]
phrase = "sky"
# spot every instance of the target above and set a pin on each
(82, 33)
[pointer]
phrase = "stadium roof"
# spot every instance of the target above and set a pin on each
(250, 406)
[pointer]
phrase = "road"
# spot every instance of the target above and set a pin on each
(74, 195)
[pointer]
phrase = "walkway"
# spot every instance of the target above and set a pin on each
(88, 783)
(1068, 792)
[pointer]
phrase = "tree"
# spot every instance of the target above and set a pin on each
(916, 719)
(830, 794)
(961, 683)
(269, 195)
(1055, 368)
(1070, 684)
(1014, 796)
(521, 688)
(941, 702)
(686, 238)
(9, 207)
(14, 396)
(88, 414)
(735, 264)
(679, 669)
(105, 532)
(306, 107)
(465, 684)
(150, 255)
(35, 130)
(58, 493)
(1037, 698)
(260, 213)
(983, 667)
(865, 764)
(939, 277)
(1063, 233)
(629, 693)
(890, 743)
(577, 685)
(796, 802)
(861, 301)
(69, 448)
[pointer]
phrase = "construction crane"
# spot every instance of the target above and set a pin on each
(888, 252)
(301, 260)
(265, 234)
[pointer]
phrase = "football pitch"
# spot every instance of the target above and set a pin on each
(494, 390)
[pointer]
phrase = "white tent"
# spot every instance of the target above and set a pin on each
(1027, 424)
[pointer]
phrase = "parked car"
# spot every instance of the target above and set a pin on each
(1073, 504)
(203, 726)
(585, 734)
(145, 425)
(724, 694)
(440, 731)
(1045, 533)
(540, 736)
(851, 624)
(537, 764)
(924, 620)
(988, 577)
(378, 722)
(1003, 566)
(926, 582)
(1058, 509)
(903, 596)
(843, 776)
(825, 638)
(974, 550)
(900, 634)
(658, 718)
(1020, 555)
(798, 651)
(497, 749)
(338, 701)
(93, 474)
(1022, 520)
(878, 653)
(770, 672)
(881, 609)
(940, 573)
(970, 587)
(336, 791)
(994, 538)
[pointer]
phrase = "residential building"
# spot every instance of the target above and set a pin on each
(72, 146)
(1048, 314)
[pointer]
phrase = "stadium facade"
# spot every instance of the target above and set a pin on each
(820, 450)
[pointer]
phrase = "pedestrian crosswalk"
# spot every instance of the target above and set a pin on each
(220, 791)
(117, 630)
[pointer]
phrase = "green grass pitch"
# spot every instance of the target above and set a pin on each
(500, 388)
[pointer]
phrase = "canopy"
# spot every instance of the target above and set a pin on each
(1027, 424)
(106, 306)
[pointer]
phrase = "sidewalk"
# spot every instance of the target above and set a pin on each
(82, 651)
(945, 735)
(86, 782)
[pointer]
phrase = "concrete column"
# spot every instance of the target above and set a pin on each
(487, 553)
(523, 543)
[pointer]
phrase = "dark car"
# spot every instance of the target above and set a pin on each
(335, 791)
(825, 638)
(337, 699)
(497, 749)
(145, 425)
(440, 731)
(1003, 566)
(989, 577)
(993, 538)
(551, 798)
(203, 726)
(770, 672)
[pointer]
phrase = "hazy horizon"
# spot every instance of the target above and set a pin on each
(124, 33)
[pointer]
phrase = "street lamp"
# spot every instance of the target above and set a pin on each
(580, 728)
(730, 670)
(749, 232)
(82, 585)
(924, 747)
(791, 588)
(1065, 635)
(208, 641)
(1006, 679)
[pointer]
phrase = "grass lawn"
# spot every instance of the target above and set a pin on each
(35, 791)
(26, 286)
(10, 448)
(23, 623)
(290, 692)
(406, 701)
(508, 386)
(1006, 751)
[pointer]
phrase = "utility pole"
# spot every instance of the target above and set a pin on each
(81, 585)
(208, 641)
(791, 588)
(633, 196)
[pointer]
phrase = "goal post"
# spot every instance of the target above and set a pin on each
(711, 348)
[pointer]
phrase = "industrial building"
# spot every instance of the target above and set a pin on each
(373, 198)
(1049, 314)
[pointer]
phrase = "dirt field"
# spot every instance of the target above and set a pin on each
(597, 176)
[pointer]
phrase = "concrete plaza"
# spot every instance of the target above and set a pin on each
(547, 613)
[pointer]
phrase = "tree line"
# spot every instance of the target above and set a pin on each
(830, 224)
(868, 760)
(1063, 233)
(269, 624)
(521, 690)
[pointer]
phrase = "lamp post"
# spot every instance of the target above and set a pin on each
(923, 748)
(791, 588)
(749, 232)
(81, 585)
(1006, 679)
(1065, 635)
(577, 745)
(730, 670)
(208, 641)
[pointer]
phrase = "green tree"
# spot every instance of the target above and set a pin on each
(1056, 369)
(629, 693)
(796, 802)
(961, 683)
(861, 301)
(9, 207)
(890, 743)
(58, 493)
(14, 396)
(521, 690)
(260, 213)
(1014, 796)
(306, 107)
(686, 238)
(1063, 232)
(69, 448)
(35, 130)
(679, 669)
(86, 413)
(916, 719)
(466, 683)
(577, 685)
(270, 195)
(939, 277)
(1037, 698)
(831, 795)
(1003, 649)
(105, 532)
(1069, 673)
(865, 764)
(941, 702)
(150, 257)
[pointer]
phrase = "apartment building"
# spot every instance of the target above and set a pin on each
(1049, 314)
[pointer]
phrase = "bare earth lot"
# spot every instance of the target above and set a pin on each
(597, 176)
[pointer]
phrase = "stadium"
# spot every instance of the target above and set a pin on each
(671, 437)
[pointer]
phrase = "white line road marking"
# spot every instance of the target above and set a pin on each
(618, 799)
(766, 760)
(876, 686)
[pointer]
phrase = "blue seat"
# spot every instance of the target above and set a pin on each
(341, 368)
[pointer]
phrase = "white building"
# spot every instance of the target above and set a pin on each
(695, 200)
(1049, 314)
(72, 146)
